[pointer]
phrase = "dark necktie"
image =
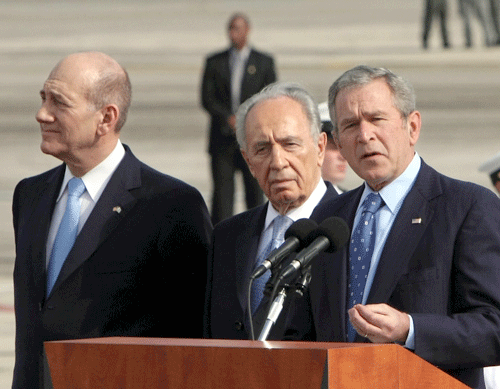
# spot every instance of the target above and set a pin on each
(360, 254)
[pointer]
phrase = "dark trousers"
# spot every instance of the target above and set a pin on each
(439, 9)
(225, 163)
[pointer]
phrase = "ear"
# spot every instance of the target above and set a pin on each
(322, 140)
(247, 160)
(108, 119)
(414, 123)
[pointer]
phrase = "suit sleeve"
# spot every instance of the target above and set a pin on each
(271, 72)
(207, 331)
(184, 250)
(209, 92)
(469, 335)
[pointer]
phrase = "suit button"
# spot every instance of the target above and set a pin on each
(238, 325)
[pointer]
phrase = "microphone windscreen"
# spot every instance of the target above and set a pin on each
(336, 230)
(302, 229)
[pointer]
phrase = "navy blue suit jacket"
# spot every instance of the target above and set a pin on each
(231, 262)
(118, 278)
(443, 271)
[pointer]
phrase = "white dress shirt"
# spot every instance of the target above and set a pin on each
(95, 181)
(304, 211)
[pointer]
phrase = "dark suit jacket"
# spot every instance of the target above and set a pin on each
(231, 262)
(444, 272)
(216, 92)
(119, 277)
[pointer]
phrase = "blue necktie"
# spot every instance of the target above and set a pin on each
(360, 254)
(66, 234)
(280, 225)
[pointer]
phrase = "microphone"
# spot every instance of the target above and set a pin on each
(331, 235)
(297, 236)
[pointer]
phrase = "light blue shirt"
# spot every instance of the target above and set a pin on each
(393, 196)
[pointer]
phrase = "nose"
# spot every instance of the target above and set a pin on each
(365, 131)
(278, 160)
(43, 115)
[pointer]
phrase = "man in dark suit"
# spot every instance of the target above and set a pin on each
(432, 274)
(278, 131)
(140, 233)
(231, 77)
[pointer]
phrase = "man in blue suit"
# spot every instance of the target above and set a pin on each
(433, 272)
(140, 233)
(278, 131)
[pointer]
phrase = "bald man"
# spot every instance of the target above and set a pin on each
(136, 233)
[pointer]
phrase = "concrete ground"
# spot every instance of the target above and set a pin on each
(163, 45)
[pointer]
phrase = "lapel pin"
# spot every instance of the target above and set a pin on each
(117, 209)
(418, 220)
(251, 69)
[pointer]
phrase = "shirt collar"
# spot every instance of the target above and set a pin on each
(95, 179)
(244, 52)
(397, 190)
(304, 211)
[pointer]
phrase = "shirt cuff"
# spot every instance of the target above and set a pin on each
(410, 340)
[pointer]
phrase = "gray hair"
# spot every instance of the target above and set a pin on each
(403, 94)
(112, 87)
(274, 91)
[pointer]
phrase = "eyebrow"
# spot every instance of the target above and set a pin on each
(54, 93)
(355, 119)
(347, 121)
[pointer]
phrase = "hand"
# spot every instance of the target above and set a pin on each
(380, 323)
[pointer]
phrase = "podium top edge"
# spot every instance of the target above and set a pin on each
(184, 342)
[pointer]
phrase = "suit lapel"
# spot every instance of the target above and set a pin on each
(114, 203)
(248, 242)
(330, 194)
(225, 71)
(250, 69)
(411, 222)
(41, 225)
(337, 286)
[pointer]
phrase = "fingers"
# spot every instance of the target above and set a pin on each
(380, 323)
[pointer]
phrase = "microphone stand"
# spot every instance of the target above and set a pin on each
(300, 287)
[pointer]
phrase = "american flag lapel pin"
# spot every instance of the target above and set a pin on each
(417, 220)
(117, 209)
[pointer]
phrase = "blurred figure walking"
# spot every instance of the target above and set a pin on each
(435, 8)
(467, 8)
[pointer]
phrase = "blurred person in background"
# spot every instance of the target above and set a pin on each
(439, 9)
(231, 77)
(334, 166)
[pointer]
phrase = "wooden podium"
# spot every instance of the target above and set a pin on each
(209, 363)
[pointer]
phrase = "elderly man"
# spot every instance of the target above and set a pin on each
(100, 238)
(423, 264)
(278, 131)
(231, 77)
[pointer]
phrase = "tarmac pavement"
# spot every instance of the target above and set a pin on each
(163, 45)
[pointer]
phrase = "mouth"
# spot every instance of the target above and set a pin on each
(47, 130)
(370, 155)
(277, 182)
